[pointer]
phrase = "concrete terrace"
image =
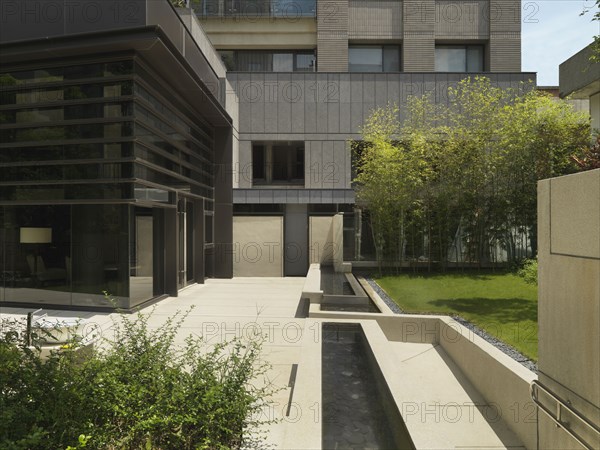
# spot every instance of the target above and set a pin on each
(441, 408)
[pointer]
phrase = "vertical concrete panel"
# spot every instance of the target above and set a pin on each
(245, 164)
(328, 165)
(271, 103)
(339, 161)
(321, 94)
(345, 103)
(332, 35)
(505, 35)
(569, 302)
(314, 171)
(284, 107)
(258, 246)
(375, 20)
(356, 106)
(321, 240)
(418, 44)
(441, 88)
(463, 19)
(332, 101)
(310, 105)
(256, 95)
(393, 88)
(295, 94)
(337, 232)
(381, 94)
(429, 84)
(243, 88)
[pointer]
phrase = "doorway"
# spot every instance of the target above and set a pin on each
(186, 243)
(296, 241)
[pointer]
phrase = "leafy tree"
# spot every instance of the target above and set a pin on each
(590, 157)
(458, 181)
(595, 57)
(390, 175)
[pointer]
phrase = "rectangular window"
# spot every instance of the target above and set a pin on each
(275, 163)
(305, 62)
(459, 58)
(268, 60)
(283, 62)
(374, 58)
(258, 162)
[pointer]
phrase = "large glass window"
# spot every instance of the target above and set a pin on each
(291, 9)
(274, 163)
(374, 58)
(268, 60)
(65, 254)
(459, 58)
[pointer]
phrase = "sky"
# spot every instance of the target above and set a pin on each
(551, 32)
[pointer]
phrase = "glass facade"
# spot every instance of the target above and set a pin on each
(459, 58)
(269, 60)
(290, 9)
(93, 159)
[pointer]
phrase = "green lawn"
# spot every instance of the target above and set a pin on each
(502, 304)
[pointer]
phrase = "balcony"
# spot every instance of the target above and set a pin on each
(285, 9)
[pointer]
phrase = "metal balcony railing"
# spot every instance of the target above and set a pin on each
(289, 9)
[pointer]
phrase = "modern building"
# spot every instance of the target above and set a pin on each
(307, 74)
(137, 160)
(579, 78)
(114, 156)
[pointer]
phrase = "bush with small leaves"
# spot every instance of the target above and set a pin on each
(529, 271)
(137, 390)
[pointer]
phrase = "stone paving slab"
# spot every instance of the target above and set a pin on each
(440, 407)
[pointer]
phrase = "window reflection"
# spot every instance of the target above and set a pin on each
(459, 58)
(374, 58)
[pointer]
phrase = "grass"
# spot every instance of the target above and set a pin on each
(501, 304)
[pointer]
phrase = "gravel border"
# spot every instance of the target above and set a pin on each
(502, 346)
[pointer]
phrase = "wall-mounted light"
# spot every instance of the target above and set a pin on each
(36, 235)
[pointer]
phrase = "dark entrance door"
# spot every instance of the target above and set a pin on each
(296, 241)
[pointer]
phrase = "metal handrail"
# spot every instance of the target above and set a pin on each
(560, 407)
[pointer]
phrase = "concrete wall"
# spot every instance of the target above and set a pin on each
(418, 45)
(192, 23)
(500, 379)
(327, 165)
(578, 76)
(569, 302)
(258, 246)
(374, 19)
(332, 35)
(333, 106)
(464, 19)
(337, 229)
(503, 382)
(504, 50)
(320, 239)
(569, 211)
(239, 33)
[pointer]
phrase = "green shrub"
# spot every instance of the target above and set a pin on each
(529, 271)
(137, 391)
